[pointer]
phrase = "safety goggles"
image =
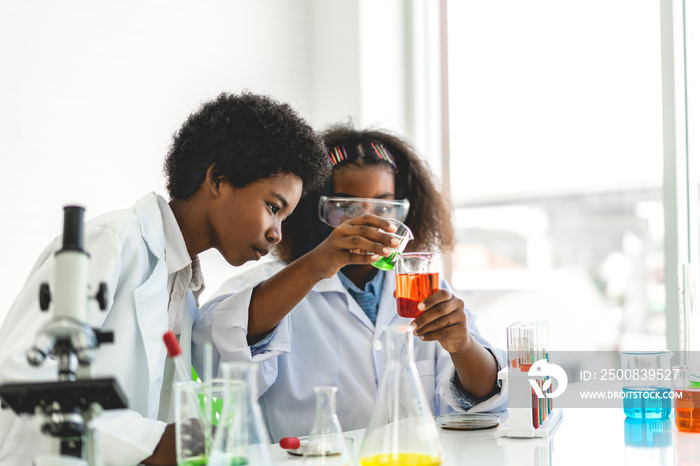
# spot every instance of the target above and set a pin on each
(335, 210)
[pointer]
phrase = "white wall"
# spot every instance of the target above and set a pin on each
(91, 92)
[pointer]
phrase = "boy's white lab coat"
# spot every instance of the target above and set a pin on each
(327, 339)
(126, 250)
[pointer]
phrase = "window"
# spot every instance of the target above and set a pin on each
(556, 168)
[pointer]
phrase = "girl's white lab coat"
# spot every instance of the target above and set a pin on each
(126, 250)
(327, 339)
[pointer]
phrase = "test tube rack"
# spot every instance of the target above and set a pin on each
(529, 415)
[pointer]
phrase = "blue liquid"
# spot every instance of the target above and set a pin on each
(648, 432)
(647, 402)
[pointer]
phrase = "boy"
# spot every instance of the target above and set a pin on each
(236, 169)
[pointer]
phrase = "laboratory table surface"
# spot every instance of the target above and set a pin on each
(603, 436)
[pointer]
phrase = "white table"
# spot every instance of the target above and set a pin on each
(590, 437)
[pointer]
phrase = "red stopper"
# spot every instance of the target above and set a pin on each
(290, 443)
(172, 344)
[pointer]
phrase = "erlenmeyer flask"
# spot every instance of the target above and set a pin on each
(326, 445)
(402, 430)
(241, 437)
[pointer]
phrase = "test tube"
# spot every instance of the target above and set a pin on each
(530, 352)
(514, 343)
(545, 354)
(510, 346)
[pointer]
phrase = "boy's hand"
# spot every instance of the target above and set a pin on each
(443, 320)
(165, 450)
(355, 241)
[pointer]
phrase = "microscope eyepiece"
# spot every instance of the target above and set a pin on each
(73, 228)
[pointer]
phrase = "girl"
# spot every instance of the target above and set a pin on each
(341, 305)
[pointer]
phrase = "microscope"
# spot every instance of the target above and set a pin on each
(68, 405)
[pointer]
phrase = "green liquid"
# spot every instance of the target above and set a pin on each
(202, 461)
(194, 461)
(217, 407)
(386, 263)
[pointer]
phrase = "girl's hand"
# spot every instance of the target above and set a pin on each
(355, 241)
(443, 320)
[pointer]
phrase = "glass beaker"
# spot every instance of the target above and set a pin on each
(686, 386)
(401, 430)
(193, 421)
(647, 385)
(417, 278)
(404, 235)
(326, 445)
(241, 437)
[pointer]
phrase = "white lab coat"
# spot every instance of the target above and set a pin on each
(327, 339)
(126, 250)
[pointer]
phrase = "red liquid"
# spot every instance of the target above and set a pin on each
(411, 289)
(688, 410)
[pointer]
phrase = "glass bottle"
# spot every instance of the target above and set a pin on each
(241, 437)
(326, 445)
(402, 430)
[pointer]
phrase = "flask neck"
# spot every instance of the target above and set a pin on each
(399, 345)
(325, 401)
(246, 372)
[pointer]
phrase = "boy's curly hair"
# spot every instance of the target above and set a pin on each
(249, 137)
(430, 214)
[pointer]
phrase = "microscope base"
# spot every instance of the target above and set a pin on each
(67, 408)
(71, 396)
